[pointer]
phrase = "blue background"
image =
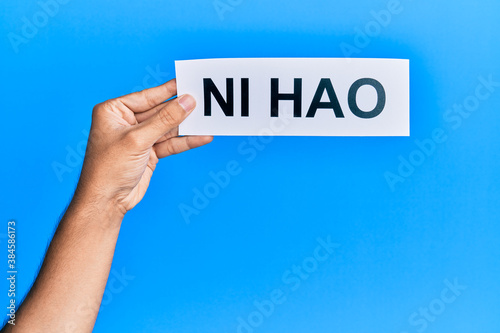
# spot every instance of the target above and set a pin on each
(397, 245)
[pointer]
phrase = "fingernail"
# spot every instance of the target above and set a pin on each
(187, 102)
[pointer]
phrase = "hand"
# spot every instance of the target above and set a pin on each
(128, 136)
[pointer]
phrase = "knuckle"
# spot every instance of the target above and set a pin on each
(112, 105)
(170, 88)
(97, 109)
(171, 149)
(103, 107)
(168, 118)
(150, 101)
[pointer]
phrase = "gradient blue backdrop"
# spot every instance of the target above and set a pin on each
(396, 247)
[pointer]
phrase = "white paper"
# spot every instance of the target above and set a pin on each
(341, 73)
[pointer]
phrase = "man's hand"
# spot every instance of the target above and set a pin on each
(128, 136)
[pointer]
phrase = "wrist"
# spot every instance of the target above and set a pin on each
(101, 209)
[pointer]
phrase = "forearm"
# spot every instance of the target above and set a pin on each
(68, 290)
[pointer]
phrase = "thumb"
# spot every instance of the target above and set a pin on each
(169, 115)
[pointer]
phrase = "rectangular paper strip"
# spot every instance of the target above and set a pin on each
(296, 96)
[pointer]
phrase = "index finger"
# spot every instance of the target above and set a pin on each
(147, 99)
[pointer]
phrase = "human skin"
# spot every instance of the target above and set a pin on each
(128, 136)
